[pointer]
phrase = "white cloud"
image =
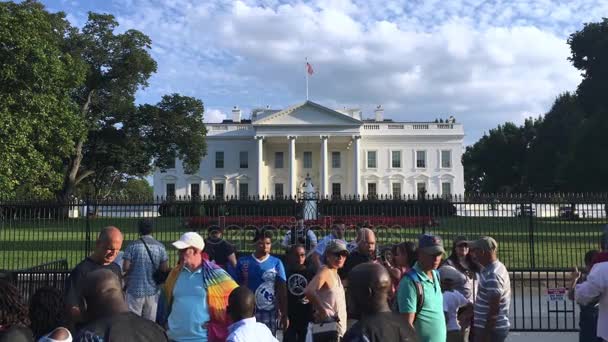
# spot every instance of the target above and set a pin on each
(483, 61)
(214, 115)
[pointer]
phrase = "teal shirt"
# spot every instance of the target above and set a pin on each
(189, 310)
(430, 322)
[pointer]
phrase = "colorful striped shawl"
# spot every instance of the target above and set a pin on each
(219, 285)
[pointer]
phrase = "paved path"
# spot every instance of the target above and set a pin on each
(542, 337)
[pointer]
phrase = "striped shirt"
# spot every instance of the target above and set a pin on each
(494, 281)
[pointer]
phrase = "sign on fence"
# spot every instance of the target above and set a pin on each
(557, 294)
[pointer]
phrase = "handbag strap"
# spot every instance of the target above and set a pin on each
(149, 253)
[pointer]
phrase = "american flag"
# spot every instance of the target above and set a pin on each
(309, 69)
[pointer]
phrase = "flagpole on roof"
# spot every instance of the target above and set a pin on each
(306, 72)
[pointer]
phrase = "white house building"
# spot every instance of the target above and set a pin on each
(272, 154)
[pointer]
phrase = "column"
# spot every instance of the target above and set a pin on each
(292, 165)
(324, 188)
(357, 165)
(260, 140)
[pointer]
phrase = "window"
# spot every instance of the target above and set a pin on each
(396, 159)
(219, 159)
(421, 189)
(371, 160)
(243, 190)
(219, 190)
(308, 160)
(371, 190)
(335, 160)
(446, 159)
(396, 190)
(278, 190)
(278, 160)
(421, 159)
(244, 160)
(170, 190)
(446, 188)
(195, 190)
(336, 189)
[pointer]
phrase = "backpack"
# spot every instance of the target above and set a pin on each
(413, 276)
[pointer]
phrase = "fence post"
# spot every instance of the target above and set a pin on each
(87, 238)
(531, 213)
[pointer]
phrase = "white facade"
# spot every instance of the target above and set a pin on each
(341, 153)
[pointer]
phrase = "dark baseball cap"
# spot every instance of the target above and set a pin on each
(430, 244)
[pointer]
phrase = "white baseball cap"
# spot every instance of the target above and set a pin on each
(190, 239)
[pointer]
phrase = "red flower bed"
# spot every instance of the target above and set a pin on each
(278, 221)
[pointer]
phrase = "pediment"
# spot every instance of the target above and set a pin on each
(308, 113)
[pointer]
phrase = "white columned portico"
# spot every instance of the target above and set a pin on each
(292, 165)
(324, 189)
(357, 165)
(260, 140)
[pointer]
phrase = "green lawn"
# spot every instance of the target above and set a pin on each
(556, 243)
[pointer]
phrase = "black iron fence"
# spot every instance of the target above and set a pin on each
(533, 231)
(540, 236)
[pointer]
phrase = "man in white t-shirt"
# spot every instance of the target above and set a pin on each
(453, 301)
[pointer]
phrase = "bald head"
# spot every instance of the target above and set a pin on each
(102, 291)
(108, 245)
(369, 285)
(241, 303)
(366, 241)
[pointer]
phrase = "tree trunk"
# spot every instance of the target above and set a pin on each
(72, 178)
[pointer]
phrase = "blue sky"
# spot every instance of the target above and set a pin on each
(485, 62)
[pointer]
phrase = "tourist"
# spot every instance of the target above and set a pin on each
(453, 302)
(398, 262)
(337, 233)
(195, 295)
(107, 246)
(14, 320)
(419, 295)
(595, 288)
(365, 252)
(264, 274)
(107, 316)
(368, 294)
(299, 234)
(587, 321)
(491, 321)
(462, 261)
(218, 249)
(47, 316)
(142, 258)
(298, 306)
(326, 292)
(241, 307)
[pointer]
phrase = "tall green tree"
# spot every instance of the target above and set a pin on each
(497, 162)
(117, 66)
(38, 117)
(548, 153)
(586, 165)
(147, 137)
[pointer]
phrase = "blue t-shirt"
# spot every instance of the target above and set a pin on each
(189, 310)
(260, 276)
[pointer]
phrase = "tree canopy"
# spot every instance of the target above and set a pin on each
(67, 106)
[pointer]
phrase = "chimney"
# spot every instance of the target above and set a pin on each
(379, 113)
(236, 114)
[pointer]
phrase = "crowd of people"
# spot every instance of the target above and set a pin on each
(322, 290)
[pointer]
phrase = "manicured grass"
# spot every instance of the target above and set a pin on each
(555, 243)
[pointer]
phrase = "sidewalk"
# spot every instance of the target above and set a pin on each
(542, 337)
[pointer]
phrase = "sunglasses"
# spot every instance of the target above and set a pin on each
(339, 254)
